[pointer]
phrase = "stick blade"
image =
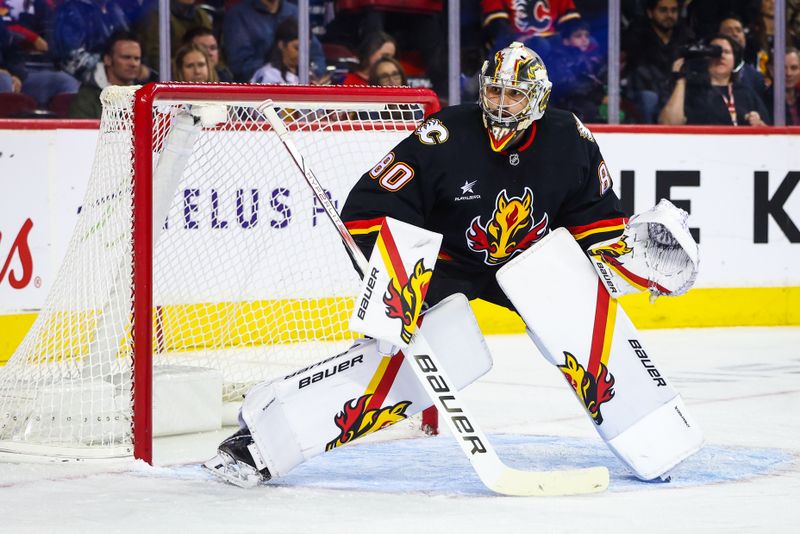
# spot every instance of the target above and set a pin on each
(547, 483)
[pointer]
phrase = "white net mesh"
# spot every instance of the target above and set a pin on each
(249, 277)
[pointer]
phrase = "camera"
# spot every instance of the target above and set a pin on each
(696, 58)
(700, 51)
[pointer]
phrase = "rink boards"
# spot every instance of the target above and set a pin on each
(740, 190)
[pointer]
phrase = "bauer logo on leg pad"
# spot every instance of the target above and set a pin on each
(399, 272)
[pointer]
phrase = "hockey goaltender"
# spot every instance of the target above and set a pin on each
(520, 201)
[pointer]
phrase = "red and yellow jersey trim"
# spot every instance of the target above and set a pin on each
(598, 227)
(364, 226)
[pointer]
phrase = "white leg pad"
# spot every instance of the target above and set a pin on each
(659, 441)
(360, 391)
(589, 337)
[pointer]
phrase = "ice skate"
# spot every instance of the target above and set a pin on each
(234, 462)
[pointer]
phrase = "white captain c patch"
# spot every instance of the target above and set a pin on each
(432, 132)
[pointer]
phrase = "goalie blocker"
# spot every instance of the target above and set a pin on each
(592, 341)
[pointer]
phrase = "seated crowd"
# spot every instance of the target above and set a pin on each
(693, 62)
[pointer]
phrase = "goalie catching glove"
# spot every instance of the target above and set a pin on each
(656, 253)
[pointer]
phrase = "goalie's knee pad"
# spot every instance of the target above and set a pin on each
(579, 328)
(360, 391)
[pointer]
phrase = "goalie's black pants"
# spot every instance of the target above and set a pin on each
(448, 280)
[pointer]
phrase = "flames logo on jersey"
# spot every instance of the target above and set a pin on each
(532, 15)
(405, 302)
(510, 230)
(356, 420)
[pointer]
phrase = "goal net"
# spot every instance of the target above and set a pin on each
(200, 264)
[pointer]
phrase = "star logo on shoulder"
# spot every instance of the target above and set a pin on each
(467, 187)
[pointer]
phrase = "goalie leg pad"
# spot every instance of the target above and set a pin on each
(342, 398)
(578, 327)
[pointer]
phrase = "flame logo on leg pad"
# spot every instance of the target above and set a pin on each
(356, 419)
(405, 302)
(592, 391)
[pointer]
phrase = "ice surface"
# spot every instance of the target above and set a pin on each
(742, 385)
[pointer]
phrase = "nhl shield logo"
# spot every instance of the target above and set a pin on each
(513, 159)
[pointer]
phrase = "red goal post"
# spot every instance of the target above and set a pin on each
(196, 249)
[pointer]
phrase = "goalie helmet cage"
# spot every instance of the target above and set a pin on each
(198, 246)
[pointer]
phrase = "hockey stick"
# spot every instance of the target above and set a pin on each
(497, 476)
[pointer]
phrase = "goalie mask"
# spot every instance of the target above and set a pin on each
(514, 90)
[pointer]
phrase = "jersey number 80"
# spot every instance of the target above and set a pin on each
(391, 177)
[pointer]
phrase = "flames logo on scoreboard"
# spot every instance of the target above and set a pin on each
(357, 419)
(509, 231)
(405, 303)
(592, 390)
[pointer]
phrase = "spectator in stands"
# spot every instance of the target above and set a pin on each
(703, 16)
(41, 79)
(417, 25)
(747, 73)
(792, 63)
(284, 58)
(183, 15)
(762, 35)
(42, 83)
(205, 38)
(792, 69)
(533, 22)
(374, 46)
(21, 24)
(651, 49)
(81, 30)
(249, 34)
(121, 65)
(192, 64)
(793, 22)
(578, 72)
(714, 96)
(387, 72)
(320, 14)
(12, 68)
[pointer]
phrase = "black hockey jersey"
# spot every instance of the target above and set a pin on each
(489, 206)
